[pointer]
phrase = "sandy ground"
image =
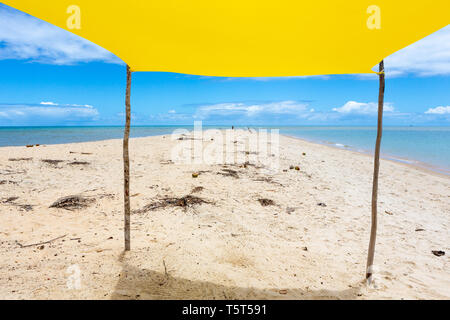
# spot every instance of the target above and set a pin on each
(231, 247)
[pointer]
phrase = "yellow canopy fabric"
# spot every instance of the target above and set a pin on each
(248, 38)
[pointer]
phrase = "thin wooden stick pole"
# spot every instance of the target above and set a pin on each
(126, 163)
(376, 170)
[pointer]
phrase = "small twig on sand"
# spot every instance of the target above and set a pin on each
(10, 172)
(166, 279)
(75, 163)
(20, 159)
(40, 243)
(165, 269)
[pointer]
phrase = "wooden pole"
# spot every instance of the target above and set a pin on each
(376, 170)
(126, 163)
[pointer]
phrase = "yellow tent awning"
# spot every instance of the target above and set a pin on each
(246, 37)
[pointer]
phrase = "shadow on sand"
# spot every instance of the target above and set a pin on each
(136, 283)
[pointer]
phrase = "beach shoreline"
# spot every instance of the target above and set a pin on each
(233, 231)
(416, 164)
(413, 163)
(431, 150)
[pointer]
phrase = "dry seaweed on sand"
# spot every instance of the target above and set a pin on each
(72, 203)
(108, 195)
(80, 163)
(187, 138)
(185, 202)
(197, 189)
(268, 180)
(52, 162)
(7, 182)
(249, 164)
(26, 207)
(229, 173)
(11, 172)
(241, 165)
(20, 159)
(84, 153)
(266, 202)
(12, 201)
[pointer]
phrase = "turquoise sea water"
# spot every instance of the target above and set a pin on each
(426, 146)
(429, 146)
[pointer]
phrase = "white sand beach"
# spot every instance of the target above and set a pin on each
(230, 247)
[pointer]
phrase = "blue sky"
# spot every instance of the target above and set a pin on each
(51, 77)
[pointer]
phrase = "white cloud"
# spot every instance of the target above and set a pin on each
(25, 37)
(251, 110)
(172, 111)
(293, 113)
(83, 105)
(427, 57)
(439, 110)
(46, 113)
(49, 103)
(362, 108)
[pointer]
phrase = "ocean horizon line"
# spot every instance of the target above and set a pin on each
(427, 145)
(225, 125)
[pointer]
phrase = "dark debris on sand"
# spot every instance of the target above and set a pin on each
(20, 159)
(251, 152)
(72, 203)
(11, 172)
(438, 253)
(268, 180)
(84, 153)
(266, 202)
(52, 162)
(12, 201)
(7, 182)
(26, 207)
(197, 189)
(245, 165)
(185, 202)
(79, 163)
(229, 173)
